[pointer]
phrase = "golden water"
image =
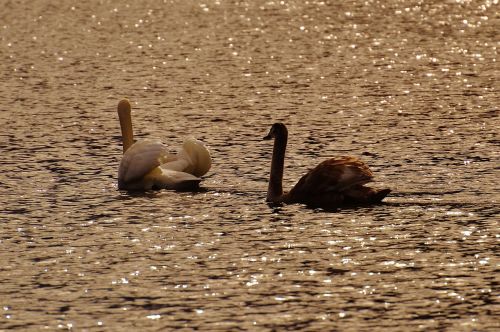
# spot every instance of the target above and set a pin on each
(411, 87)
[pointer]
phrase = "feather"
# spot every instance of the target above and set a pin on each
(148, 164)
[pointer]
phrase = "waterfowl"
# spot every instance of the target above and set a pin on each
(147, 164)
(334, 183)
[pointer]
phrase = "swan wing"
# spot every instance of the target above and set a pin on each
(196, 157)
(333, 175)
(140, 159)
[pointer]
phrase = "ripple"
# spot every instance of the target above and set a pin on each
(412, 94)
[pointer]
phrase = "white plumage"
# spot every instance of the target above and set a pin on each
(148, 164)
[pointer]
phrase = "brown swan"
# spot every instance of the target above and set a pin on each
(333, 183)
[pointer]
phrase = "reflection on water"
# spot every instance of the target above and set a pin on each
(407, 86)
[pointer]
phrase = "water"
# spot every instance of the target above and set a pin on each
(410, 87)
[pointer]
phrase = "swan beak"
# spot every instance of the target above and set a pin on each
(270, 135)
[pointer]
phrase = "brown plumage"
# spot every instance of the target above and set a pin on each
(333, 183)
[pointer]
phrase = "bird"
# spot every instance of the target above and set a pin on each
(147, 164)
(334, 183)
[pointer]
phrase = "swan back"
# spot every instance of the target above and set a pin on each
(332, 175)
(163, 178)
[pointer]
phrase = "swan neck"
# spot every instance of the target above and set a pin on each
(275, 188)
(124, 114)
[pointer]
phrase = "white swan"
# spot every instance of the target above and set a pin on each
(147, 164)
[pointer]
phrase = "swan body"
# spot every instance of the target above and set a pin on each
(148, 164)
(334, 183)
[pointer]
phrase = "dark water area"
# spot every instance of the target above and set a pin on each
(410, 87)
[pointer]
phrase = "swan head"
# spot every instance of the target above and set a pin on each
(199, 155)
(124, 107)
(277, 130)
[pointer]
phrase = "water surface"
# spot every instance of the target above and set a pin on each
(408, 86)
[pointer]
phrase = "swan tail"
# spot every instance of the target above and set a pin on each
(365, 195)
(380, 195)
